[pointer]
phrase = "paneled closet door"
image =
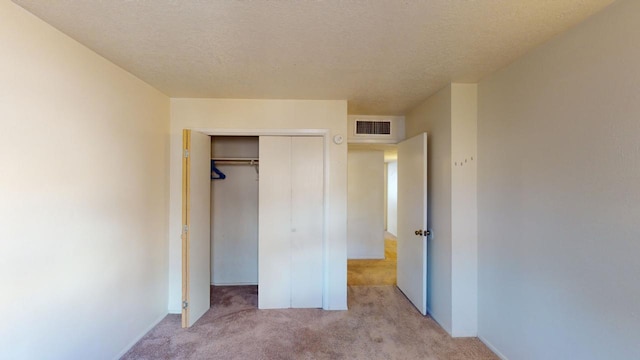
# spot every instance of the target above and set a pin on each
(291, 219)
(307, 187)
(274, 223)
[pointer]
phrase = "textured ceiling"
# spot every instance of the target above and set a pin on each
(382, 56)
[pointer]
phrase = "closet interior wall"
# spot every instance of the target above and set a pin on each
(234, 213)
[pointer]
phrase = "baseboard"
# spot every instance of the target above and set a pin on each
(140, 336)
(437, 321)
(175, 311)
(464, 334)
(492, 348)
(234, 284)
(338, 308)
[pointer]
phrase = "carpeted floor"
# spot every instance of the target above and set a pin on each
(380, 324)
(375, 272)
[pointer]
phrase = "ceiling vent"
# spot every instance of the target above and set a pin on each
(375, 129)
(368, 127)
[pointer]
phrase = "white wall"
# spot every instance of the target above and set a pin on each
(252, 115)
(434, 117)
(385, 196)
(559, 213)
(464, 210)
(365, 204)
(392, 197)
(450, 119)
(234, 214)
(83, 189)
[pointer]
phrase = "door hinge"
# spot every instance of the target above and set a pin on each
(186, 153)
(423, 233)
(185, 229)
(185, 304)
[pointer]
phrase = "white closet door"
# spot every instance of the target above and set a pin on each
(291, 218)
(196, 281)
(307, 187)
(274, 219)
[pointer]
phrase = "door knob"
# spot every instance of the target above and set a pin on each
(419, 232)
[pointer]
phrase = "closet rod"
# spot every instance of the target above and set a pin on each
(235, 161)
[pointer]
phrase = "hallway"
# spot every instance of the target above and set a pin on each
(375, 272)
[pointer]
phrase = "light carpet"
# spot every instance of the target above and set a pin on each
(380, 324)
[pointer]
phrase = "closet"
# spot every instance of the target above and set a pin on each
(234, 210)
(256, 218)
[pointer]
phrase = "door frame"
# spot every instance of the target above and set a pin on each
(186, 204)
(325, 134)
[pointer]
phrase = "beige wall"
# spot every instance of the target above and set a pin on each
(365, 214)
(559, 195)
(83, 189)
(434, 117)
(268, 115)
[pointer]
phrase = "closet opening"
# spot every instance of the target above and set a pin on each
(253, 210)
(235, 176)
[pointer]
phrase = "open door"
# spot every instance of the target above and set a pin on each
(196, 240)
(412, 220)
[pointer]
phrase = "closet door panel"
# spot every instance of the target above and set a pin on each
(274, 219)
(307, 218)
(196, 287)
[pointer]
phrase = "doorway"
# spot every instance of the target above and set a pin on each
(234, 221)
(412, 232)
(372, 212)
